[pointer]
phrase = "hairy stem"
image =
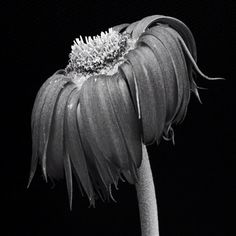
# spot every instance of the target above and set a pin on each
(147, 198)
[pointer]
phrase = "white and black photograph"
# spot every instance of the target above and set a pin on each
(118, 118)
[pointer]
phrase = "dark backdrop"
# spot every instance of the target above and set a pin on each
(194, 179)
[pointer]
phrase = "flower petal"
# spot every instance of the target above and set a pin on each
(99, 117)
(46, 117)
(54, 149)
(35, 120)
(146, 97)
(73, 144)
(131, 27)
(164, 60)
(42, 93)
(102, 136)
(193, 61)
(42, 118)
(187, 78)
(126, 117)
(177, 60)
(154, 74)
(125, 69)
(176, 24)
(143, 24)
(102, 173)
(120, 28)
(68, 175)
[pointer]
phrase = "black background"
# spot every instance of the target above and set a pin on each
(195, 179)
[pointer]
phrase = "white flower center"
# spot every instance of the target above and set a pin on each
(100, 54)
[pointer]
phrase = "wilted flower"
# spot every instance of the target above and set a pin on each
(123, 88)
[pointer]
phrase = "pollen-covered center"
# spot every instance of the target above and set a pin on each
(99, 54)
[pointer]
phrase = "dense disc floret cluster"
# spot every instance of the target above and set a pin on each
(99, 53)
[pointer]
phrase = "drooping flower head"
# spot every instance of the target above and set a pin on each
(123, 88)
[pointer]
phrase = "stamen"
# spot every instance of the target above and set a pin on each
(99, 54)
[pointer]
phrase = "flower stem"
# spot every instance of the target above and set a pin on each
(147, 198)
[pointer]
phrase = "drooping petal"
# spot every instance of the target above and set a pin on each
(40, 98)
(185, 34)
(146, 99)
(131, 27)
(190, 57)
(152, 103)
(46, 117)
(99, 169)
(169, 81)
(186, 76)
(178, 62)
(106, 134)
(54, 150)
(143, 25)
(125, 69)
(126, 117)
(99, 117)
(35, 125)
(176, 24)
(120, 28)
(73, 146)
(153, 73)
(68, 176)
(41, 117)
(102, 164)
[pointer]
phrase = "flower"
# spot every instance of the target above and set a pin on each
(123, 88)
